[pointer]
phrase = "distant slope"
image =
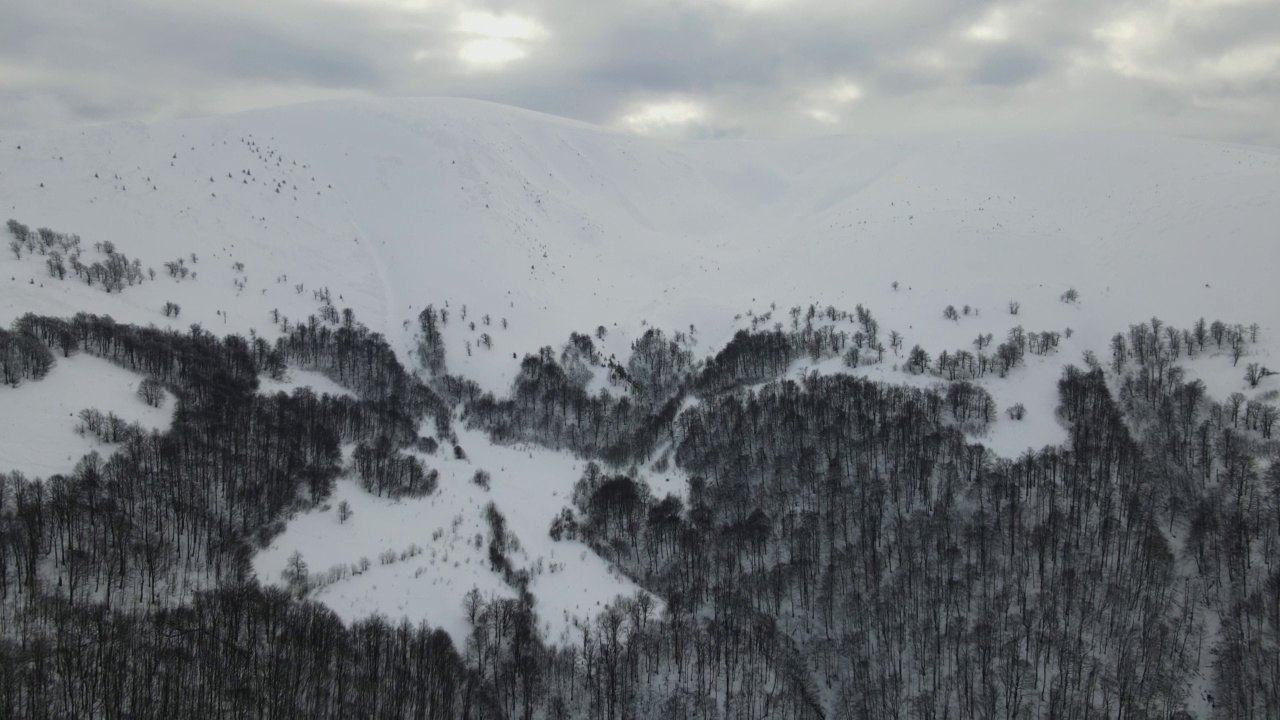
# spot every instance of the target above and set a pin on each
(559, 226)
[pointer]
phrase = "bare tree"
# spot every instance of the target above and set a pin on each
(1119, 353)
(1252, 374)
(151, 392)
(295, 573)
(1235, 400)
(1237, 350)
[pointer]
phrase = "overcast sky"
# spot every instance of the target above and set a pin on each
(703, 68)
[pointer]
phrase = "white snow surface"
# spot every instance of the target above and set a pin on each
(556, 226)
(529, 485)
(38, 419)
(295, 378)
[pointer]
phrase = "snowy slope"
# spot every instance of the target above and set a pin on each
(559, 226)
(555, 226)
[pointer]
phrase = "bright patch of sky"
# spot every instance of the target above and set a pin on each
(663, 118)
(495, 40)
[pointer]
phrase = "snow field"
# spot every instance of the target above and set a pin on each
(528, 485)
(38, 419)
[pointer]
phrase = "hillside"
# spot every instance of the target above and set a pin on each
(556, 226)
(526, 228)
(559, 226)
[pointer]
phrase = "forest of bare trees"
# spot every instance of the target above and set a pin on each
(846, 548)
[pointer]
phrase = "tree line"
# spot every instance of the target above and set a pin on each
(844, 548)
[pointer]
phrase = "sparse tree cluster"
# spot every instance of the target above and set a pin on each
(63, 251)
(1159, 346)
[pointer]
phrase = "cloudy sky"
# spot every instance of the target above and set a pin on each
(702, 68)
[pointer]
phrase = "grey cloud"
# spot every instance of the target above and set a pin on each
(1008, 66)
(1224, 27)
(757, 71)
(136, 41)
(904, 81)
(234, 50)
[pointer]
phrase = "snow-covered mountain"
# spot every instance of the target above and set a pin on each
(533, 227)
